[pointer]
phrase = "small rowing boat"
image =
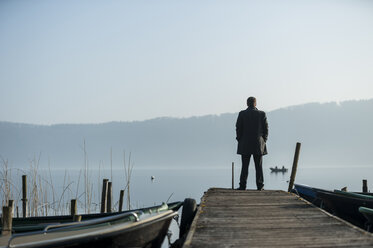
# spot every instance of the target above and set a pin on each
(276, 169)
(145, 227)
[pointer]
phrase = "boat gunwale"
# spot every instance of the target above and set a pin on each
(354, 195)
(38, 223)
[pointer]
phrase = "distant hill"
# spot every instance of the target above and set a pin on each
(330, 133)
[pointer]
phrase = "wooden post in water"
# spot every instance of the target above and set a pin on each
(73, 208)
(77, 218)
(6, 221)
(11, 205)
(294, 168)
(121, 197)
(365, 186)
(24, 196)
(232, 175)
(74, 211)
(104, 195)
(109, 197)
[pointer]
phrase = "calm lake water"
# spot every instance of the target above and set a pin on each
(192, 182)
(176, 184)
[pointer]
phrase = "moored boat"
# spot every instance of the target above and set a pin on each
(368, 214)
(346, 205)
(38, 223)
(309, 193)
(139, 228)
(343, 204)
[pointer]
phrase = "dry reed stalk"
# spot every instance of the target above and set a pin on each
(34, 193)
(127, 173)
(5, 187)
(41, 194)
(87, 182)
(77, 185)
(6, 184)
(99, 180)
(111, 164)
(52, 187)
(111, 177)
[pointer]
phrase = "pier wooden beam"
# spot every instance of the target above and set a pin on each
(24, 196)
(77, 218)
(121, 198)
(232, 175)
(6, 221)
(11, 203)
(295, 165)
(365, 186)
(105, 183)
(109, 197)
(73, 208)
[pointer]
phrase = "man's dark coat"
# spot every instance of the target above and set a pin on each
(252, 132)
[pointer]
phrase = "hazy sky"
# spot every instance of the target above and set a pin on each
(98, 61)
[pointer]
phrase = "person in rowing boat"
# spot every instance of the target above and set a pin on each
(252, 135)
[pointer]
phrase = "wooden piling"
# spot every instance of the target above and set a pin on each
(24, 196)
(232, 175)
(6, 221)
(295, 165)
(121, 197)
(11, 205)
(104, 195)
(365, 186)
(109, 197)
(73, 208)
(77, 218)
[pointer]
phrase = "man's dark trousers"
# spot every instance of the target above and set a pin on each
(245, 170)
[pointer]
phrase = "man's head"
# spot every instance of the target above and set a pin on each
(251, 101)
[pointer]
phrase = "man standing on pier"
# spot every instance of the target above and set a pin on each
(251, 134)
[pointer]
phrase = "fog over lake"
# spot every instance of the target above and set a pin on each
(331, 134)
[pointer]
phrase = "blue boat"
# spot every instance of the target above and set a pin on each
(309, 193)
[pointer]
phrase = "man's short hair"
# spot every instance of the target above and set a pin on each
(251, 101)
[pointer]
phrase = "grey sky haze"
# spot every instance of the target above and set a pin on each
(99, 61)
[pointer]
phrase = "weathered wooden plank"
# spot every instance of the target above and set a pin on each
(244, 243)
(231, 218)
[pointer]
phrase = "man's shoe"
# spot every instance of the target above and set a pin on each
(261, 188)
(240, 188)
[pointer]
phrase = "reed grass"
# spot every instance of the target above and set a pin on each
(45, 197)
(6, 184)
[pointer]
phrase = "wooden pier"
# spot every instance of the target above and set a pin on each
(269, 218)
